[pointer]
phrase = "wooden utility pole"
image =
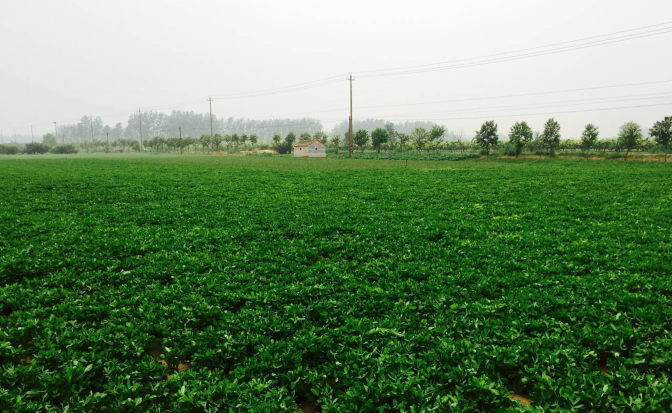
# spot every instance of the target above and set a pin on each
(210, 100)
(108, 142)
(140, 117)
(56, 134)
(350, 123)
(32, 137)
(15, 135)
(181, 140)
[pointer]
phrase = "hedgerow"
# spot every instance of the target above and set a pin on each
(231, 284)
(411, 155)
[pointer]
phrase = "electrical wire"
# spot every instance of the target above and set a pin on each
(518, 57)
(474, 99)
(545, 113)
(576, 102)
(519, 50)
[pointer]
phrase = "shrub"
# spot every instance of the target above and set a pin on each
(64, 149)
(9, 149)
(509, 149)
(411, 156)
(33, 148)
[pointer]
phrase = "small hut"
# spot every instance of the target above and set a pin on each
(310, 149)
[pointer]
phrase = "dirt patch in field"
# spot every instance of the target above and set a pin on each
(603, 368)
(308, 407)
(26, 359)
(521, 398)
(156, 350)
(258, 151)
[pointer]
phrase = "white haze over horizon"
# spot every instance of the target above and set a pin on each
(61, 60)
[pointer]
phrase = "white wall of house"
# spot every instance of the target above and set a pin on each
(300, 151)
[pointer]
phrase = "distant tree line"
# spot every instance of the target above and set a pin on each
(406, 127)
(168, 125)
(521, 138)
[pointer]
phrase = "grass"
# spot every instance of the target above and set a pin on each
(261, 284)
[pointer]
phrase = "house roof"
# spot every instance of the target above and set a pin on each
(307, 142)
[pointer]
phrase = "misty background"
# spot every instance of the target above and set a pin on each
(275, 67)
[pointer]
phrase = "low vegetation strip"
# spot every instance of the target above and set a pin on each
(424, 156)
(238, 284)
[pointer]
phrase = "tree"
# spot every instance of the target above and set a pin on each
(629, 136)
(290, 138)
(361, 138)
(321, 136)
(205, 141)
(118, 131)
(216, 141)
(254, 139)
(50, 140)
(589, 136)
(551, 135)
(419, 138)
(305, 136)
(661, 132)
(520, 135)
(403, 140)
(336, 142)
(436, 135)
(379, 136)
(188, 141)
(392, 134)
(487, 137)
(276, 140)
(286, 145)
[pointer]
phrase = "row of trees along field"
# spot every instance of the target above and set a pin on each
(521, 138)
(630, 138)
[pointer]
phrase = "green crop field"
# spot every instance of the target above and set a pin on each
(262, 284)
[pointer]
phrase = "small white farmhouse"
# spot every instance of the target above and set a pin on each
(310, 148)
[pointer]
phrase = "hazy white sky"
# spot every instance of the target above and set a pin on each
(63, 59)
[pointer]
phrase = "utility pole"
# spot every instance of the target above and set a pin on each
(350, 123)
(32, 137)
(108, 142)
(56, 134)
(140, 117)
(15, 136)
(210, 100)
(2, 138)
(180, 140)
(91, 122)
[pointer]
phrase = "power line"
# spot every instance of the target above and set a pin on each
(661, 28)
(476, 99)
(547, 113)
(519, 57)
(518, 50)
(576, 102)
(300, 86)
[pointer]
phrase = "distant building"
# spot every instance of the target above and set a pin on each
(310, 148)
